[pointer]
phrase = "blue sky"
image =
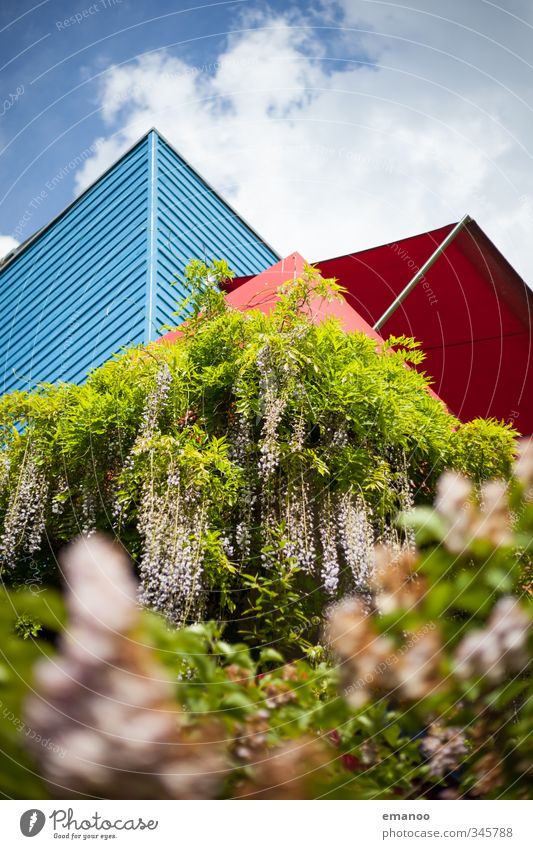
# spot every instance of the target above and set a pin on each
(58, 115)
(332, 124)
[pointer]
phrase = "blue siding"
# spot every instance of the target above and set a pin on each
(193, 222)
(76, 293)
(98, 277)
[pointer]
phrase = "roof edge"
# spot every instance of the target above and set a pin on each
(16, 252)
(386, 244)
(216, 193)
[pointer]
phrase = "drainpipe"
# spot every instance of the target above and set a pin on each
(422, 271)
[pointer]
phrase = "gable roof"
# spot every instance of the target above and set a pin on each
(261, 293)
(15, 252)
(472, 313)
(100, 276)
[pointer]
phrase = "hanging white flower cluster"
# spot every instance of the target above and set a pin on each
(298, 434)
(272, 405)
(406, 503)
(24, 521)
(58, 501)
(5, 468)
(241, 452)
(388, 534)
(299, 523)
(337, 437)
(155, 405)
(172, 524)
(88, 511)
(268, 529)
(328, 538)
(356, 538)
(156, 402)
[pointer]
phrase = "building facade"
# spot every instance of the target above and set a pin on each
(107, 273)
(99, 277)
(471, 312)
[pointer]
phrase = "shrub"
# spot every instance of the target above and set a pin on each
(421, 691)
(252, 463)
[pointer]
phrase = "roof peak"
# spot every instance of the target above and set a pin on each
(15, 252)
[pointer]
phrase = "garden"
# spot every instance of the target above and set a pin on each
(263, 561)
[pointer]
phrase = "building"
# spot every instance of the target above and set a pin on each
(99, 276)
(472, 313)
(261, 293)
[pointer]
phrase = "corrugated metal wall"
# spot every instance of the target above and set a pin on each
(193, 222)
(76, 293)
(98, 277)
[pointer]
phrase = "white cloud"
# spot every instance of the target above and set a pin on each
(327, 156)
(7, 244)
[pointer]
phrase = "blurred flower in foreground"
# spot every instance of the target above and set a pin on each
(445, 749)
(107, 701)
(489, 774)
(465, 520)
(289, 772)
(373, 665)
(523, 467)
(395, 581)
(364, 654)
(453, 503)
(498, 650)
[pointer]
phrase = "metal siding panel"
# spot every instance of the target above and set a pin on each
(193, 222)
(76, 293)
(204, 219)
(87, 205)
(81, 320)
(66, 297)
(200, 225)
(97, 278)
(66, 272)
(124, 324)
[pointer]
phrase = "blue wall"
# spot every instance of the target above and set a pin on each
(194, 223)
(97, 278)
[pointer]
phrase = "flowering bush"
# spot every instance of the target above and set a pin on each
(248, 468)
(421, 689)
(448, 639)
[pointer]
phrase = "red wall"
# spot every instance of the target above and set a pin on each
(472, 314)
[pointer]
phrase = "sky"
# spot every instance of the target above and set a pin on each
(330, 125)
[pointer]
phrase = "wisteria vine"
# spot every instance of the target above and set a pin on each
(253, 449)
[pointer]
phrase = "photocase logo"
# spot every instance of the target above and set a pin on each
(32, 822)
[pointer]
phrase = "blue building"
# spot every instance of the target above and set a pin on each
(98, 277)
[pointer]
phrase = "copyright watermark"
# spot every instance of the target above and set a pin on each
(84, 14)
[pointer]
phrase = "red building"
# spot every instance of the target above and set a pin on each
(471, 311)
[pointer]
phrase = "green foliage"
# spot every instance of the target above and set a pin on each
(469, 447)
(247, 421)
(203, 284)
(27, 627)
(264, 702)
(29, 618)
(423, 691)
(280, 611)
